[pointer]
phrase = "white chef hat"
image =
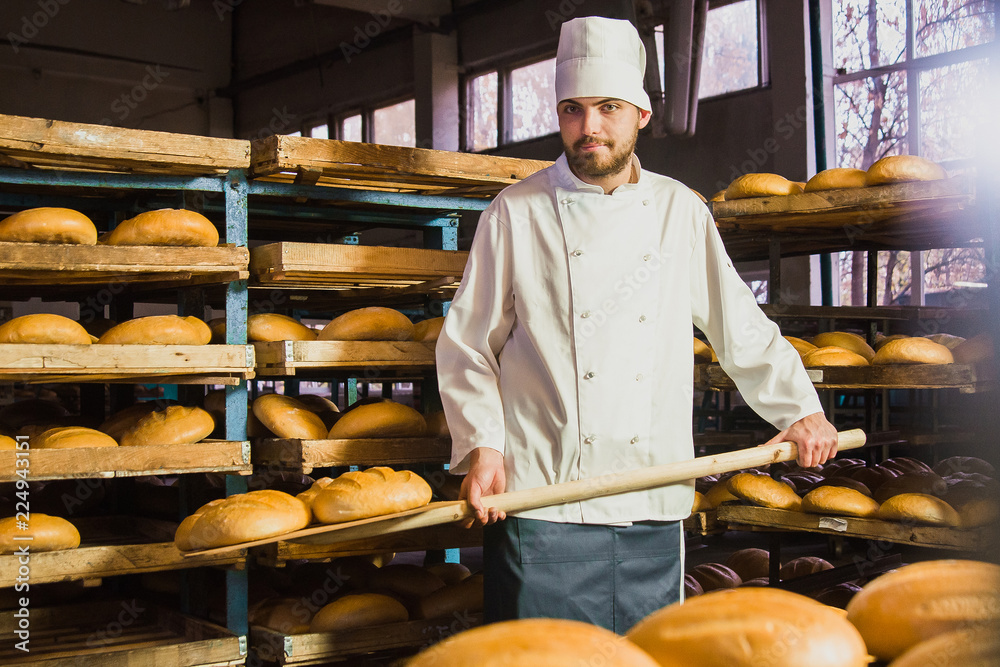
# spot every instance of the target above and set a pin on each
(601, 57)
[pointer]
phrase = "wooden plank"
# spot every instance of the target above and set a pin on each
(872, 529)
(52, 143)
(304, 455)
(122, 259)
(895, 376)
(90, 462)
(284, 357)
(704, 523)
(903, 313)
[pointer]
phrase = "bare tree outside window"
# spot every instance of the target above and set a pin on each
(350, 128)
(534, 100)
(483, 100)
(731, 54)
(395, 125)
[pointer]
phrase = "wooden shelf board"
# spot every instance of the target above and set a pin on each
(287, 357)
(704, 523)
(902, 313)
(912, 376)
(92, 462)
(872, 529)
(305, 455)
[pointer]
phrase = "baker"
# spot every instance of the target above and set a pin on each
(567, 354)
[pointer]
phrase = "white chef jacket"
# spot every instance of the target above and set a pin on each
(568, 344)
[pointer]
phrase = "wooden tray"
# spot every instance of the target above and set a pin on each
(318, 648)
(378, 167)
(902, 376)
(704, 523)
(175, 364)
(81, 265)
(113, 546)
(375, 358)
(39, 143)
(89, 462)
(280, 454)
(119, 633)
(966, 539)
(448, 536)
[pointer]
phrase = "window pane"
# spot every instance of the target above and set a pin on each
(951, 109)
(350, 129)
(945, 267)
(320, 132)
(871, 119)
(395, 125)
(893, 287)
(868, 34)
(731, 52)
(483, 128)
(659, 40)
(295, 134)
(853, 282)
(534, 100)
(947, 25)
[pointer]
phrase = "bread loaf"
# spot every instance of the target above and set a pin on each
(749, 563)
(47, 533)
(117, 424)
(902, 168)
(919, 508)
(915, 350)
(217, 325)
(428, 330)
(718, 494)
(846, 340)
(288, 417)
(165, 227)
(703, 353)
(801, 346)
(832, 356)
(949, 341)
(534, 642)
(881, 339)
(44, 329)
(289, 616)
(839, 595)
(900, 609)
(977, 512)
(966, 464)
(405, 580)
(911, 482)
(374, 323)
(840, 501)
(450, 573)
(30, 411)
(361, 610)
(265, 327)
(7, 443)
(437, 425)
(837, 178)
(159, 330)
(691, 587)
(713, 576)
(700, 504)
(241, 518)
(175, 425)
(764, 491)
(978, 646)
(974, 350)
(373, 492)
(843, 481)
(462, 597)
(385, 419)
(761, 185)
(67, 437)
(48, 225)
(800, 567)
(749, 627)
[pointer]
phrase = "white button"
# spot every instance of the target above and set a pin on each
(642, 318)
(585, 314)
(589, 376)
(638, 378)
(646, 258)
(577, 253)
(567, 201)
(634, 440)
(589, 440)
(645, 202)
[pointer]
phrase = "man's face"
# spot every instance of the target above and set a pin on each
(599, 135)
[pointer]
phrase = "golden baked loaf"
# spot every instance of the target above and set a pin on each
(902, 168)
(48, 533)
(919, 508)
(217, 325)
(374, 323)
(915, 350)
(68, 437)
(839, 500)
(266, 327)
(373, 492)
(881, 339)
(832, 356)
(117, 424)
(750, 563)
(464, 596)
(159, 330)
(310, 494)
(764, 491)
(405, 580)
(48, 225)
(437, 424)
(703, 352)
(289, 616)
(801, 346)
(428, 330)
(761, 185)
(978, 646)
(837, 178)
(241, 518)
(385, 419)
(749, 627)
(7, 442)
(358, 610)
(846, 340)
(288, 417)
(165, 227)
(700, 504)
(534, 642)
(975, 350)
(718, 196)
(449, 573)
(44, 329)
(916, 602)
(976, 512)
(174, 425)
(718, 494)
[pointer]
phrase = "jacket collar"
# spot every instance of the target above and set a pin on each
(564, 178)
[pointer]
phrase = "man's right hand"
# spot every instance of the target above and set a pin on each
(486, 477)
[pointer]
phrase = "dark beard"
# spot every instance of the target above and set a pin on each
(593, 166)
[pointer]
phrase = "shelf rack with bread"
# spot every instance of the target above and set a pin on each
(305, 358)
(287, 454)
(930, 376)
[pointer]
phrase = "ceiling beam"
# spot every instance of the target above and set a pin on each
(421, 11)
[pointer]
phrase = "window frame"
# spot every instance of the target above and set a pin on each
(763, 64)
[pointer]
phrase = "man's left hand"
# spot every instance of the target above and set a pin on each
(815, 436)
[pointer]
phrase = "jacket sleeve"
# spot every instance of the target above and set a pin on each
(478, 324)
(765, 367)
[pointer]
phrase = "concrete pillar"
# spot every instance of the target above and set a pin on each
(787, 42)
(435, 82)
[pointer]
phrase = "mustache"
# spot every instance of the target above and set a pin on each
(580, 143)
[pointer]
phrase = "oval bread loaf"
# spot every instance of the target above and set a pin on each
(68, 437)
(975, 350)
(916, 602)
(241, 518)
(915, 350)
(750, 563)
(358, 610)
(44, 329)
(714, 576)
(405, 580)
(832, 356)
(839, 500)
(846, 340)
(902, 168)
(761, 185)
(287, 417)
(7, 442)
(800, 567)
(437, 424)
(175, 425)
(764, 491)
(165, 227)
(267, 327)
(801, 346)
(159, 330)
(837, 178)
(464, 596)
(748, 627)
(972, 647)
(919, 508)
(372, 492)
(373, 323)
(428, 330)
(534, 642)
(48, 225)
(450, 573)
(703, 352)
(719, 493)
(289, 616)
(385, 419)
(117, 424)
(948, 340)
(48, 533)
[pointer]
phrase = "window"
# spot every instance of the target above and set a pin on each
(483, 111)
(350, 128)
(731, 54)
(533, 100)
(320, 131)
(395, 125)
(510, 104)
